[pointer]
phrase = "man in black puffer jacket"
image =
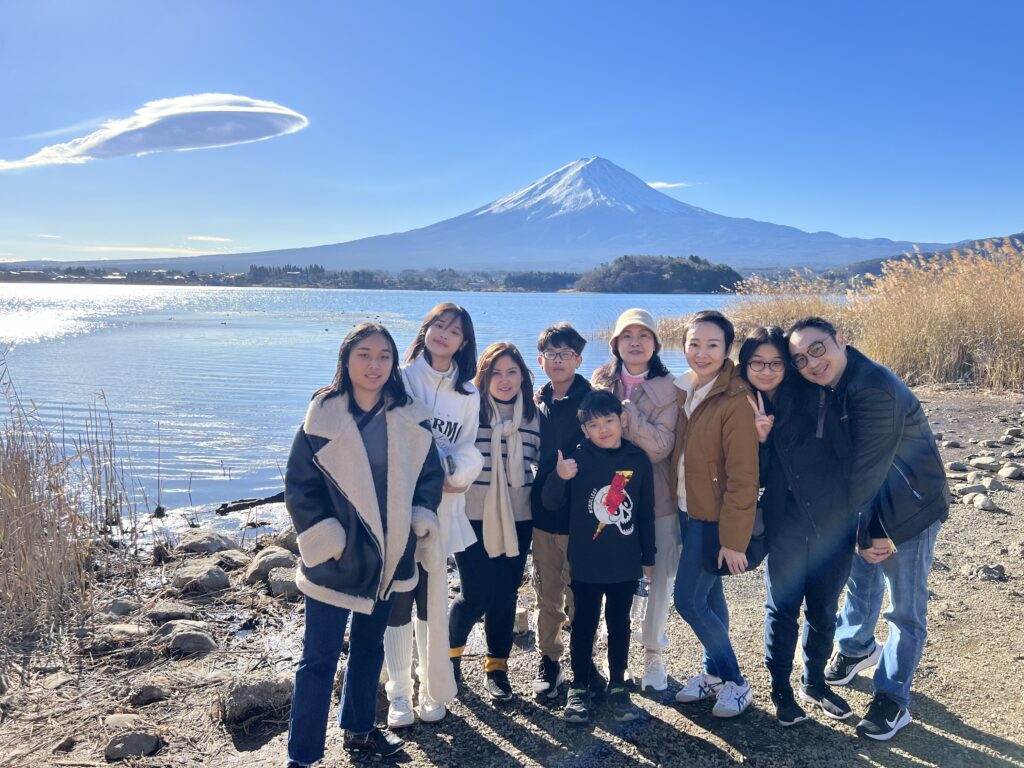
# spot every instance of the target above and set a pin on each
(899, 495)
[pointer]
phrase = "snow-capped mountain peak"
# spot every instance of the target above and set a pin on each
(586, 183)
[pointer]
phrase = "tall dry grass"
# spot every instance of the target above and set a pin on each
(63, 511)
(931, 319)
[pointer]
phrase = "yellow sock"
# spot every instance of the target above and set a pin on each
(492, 664)
(456, 653)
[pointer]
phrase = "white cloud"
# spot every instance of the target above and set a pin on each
(200, 121)
(51, 237)
(163, 250)
(668, 184)
(210, 239)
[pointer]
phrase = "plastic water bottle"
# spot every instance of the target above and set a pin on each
(639, 607)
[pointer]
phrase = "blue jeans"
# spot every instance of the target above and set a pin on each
(699, 599)
(314, 678)
(905, 575)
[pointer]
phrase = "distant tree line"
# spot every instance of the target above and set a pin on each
(627, 274)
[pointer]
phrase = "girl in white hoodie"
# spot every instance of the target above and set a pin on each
(438, 373)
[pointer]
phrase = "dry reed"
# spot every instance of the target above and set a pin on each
(935, 319)
(62, 514)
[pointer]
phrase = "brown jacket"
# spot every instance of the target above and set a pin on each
(721, 458)
(652, 414)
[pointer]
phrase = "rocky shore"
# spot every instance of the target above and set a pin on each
(189, 657)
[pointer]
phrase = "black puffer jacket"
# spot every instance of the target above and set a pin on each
(896, 472)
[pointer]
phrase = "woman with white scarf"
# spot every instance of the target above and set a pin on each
(498, 507)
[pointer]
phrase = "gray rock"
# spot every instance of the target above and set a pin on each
(65, 745)
(993, 484)
(266, 561)
(201, 578)
(288, 539)
(956, 466)
(132, 744)
(989, 463)
(983, 502)
(247, 697)
(1011, 473)
(968, 499)
(186, 636)
(282, 583)
(992, 573)
(1007, 440)
(121, 721)
(57, 680)
(976, 476)
(120, 607)
(231, 559)
(204, 541)
(148, 694)
(1014, 432)
(990, 443)
(163, 612)
(951, 444)
(964, 489)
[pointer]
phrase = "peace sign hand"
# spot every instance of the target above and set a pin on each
(762, 421)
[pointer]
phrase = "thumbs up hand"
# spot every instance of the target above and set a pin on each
(566, 468)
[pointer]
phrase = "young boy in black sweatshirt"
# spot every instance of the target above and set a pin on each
(609, 485)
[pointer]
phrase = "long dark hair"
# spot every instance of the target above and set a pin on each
(393, 389)
(485, 369)
(767, 334)
(465, 357)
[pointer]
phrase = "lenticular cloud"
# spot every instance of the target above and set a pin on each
(186, 122)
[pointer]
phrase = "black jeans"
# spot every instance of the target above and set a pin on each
(489, 589)
(587, 596)
(401, 603)
(809, 570)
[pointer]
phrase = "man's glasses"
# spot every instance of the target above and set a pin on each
(562, 354)
(759, 365)
(817, 349)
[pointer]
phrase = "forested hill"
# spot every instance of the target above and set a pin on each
(1010, 245)
(659, 274)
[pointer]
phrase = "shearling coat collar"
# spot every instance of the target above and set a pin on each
(343, 458)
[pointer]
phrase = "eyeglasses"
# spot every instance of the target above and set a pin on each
(563, 355)
(759, 365)
(817, 349)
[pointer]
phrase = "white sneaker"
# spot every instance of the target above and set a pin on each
(732, 700)
(655, 675)
(698, 688)
(430, 711)
(400, 714)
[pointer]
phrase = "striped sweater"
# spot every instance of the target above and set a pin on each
(530, 432)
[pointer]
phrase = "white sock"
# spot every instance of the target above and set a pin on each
(398, 661)
(421, 655)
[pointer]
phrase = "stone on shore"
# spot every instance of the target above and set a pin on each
(200, 578)
(231, 559)
(267, 560)
(282, 583)
(963, 489)
(1011, 472)
(65, 745)
(249, 697)
(119, 607)
(165, 611)
(121, 721)
(148, 694)
(288, 539)
(988, 463)
(186, 636)
(204, 541)
(993, 484)
(1014, 432)
(968, 499)
(132, 744)
(951, 444)
(983, 502)
(956, 466)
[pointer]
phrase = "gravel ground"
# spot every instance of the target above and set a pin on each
(968, 705)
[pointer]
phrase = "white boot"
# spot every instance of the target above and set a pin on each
(430, 711)
(398, 661)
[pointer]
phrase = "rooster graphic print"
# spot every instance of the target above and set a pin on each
(612, 505)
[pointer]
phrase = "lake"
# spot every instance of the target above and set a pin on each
(208, 385)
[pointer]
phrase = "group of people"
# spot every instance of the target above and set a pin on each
(803, 453)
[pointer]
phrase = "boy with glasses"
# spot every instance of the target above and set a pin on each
(560, 347)
(899, 495)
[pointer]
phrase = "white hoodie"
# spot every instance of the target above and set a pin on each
(455, 420)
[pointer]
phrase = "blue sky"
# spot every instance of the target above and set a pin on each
(867, 119)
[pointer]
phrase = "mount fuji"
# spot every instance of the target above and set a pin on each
(586, 212)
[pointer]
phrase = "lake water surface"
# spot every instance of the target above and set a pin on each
(208, 385)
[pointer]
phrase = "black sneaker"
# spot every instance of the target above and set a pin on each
(549, 678)
(787, 711)
(831, 703)
(597, 684)
(623, 708)
(497, 686)
(842, 668)
(577, 706)
(884, 719)
(377, 742)
(295, 764)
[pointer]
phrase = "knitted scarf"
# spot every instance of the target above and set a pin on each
(499, 524)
